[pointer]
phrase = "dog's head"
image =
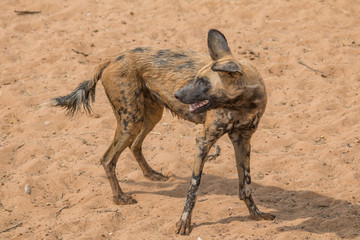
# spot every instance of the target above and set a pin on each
(221, 83)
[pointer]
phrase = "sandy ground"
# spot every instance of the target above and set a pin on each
(305, 157)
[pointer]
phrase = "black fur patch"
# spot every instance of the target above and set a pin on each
(162, 57)
(139, 49)
(163, 52)
(125, 123)
(165, 57)
(179, 55)
(191, 196)
(189, 64)
(119, 58)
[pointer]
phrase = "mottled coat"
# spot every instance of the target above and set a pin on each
(226, 95)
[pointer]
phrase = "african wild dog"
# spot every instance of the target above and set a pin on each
(226, 95)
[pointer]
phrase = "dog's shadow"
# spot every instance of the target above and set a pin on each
(321, 214)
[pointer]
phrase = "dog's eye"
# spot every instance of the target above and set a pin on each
(202, 81)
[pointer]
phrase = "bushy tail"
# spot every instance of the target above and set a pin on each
(83, 95)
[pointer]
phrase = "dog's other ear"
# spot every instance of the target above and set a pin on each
(218, 46)
(230, 67)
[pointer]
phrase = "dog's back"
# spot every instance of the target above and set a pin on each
(152, 75)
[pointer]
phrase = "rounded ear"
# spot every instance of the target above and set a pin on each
(217, 44)
(230, 67)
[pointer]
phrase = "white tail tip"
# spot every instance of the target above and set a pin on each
(51, 103)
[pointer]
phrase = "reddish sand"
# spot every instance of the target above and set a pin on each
(305, 157)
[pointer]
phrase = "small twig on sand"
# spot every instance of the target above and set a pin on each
(312, 69)
(81, 53)
(18, 147)
(13, 227)
(108, 210)
(216, 154)
(116, 210)
(20, 13)
(60, 210)
(2, 207)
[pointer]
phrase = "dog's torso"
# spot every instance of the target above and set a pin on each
(156, 74)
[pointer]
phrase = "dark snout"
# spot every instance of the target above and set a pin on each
(184, 94)
(194, 92)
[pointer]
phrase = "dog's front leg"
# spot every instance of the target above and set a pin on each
(242, 147)
(184, 225)
(211, 133)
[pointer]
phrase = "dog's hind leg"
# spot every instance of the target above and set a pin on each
(121, 141)
(128, 106)
(242, 149)
(152, 115)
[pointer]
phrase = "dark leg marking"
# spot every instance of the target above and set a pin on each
(189, 206)
(204, 143)
(152, 115)
(242, 149)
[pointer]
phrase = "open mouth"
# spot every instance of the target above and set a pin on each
(197, 107)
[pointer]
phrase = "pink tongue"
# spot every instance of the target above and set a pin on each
(192, 108)
(195, 106)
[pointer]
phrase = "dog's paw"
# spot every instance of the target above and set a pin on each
(183, 227)
(263, 216)
(124, 199)
(156, 176)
